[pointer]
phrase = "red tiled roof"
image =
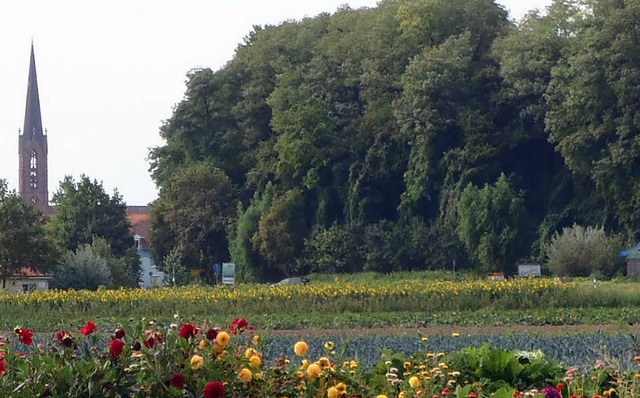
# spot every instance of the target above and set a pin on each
(139, 219)
(29, 273)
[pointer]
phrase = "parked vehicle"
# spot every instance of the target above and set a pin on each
(292, 281)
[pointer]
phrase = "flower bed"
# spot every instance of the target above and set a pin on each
(188, 360)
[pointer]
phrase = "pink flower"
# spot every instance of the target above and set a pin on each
(551, 392)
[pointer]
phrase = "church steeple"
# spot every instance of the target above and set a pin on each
(32, 146)
(32, 116)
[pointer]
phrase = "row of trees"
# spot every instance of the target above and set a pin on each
(87, 243)
(418, 134)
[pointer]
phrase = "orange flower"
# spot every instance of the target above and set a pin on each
(313, 370)
(560, 386)
(301, 348)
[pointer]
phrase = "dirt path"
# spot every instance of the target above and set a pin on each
(447, 330)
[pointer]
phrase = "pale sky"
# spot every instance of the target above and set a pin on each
(110, 72)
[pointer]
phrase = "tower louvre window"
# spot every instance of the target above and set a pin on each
(33, 161)
(33, 179)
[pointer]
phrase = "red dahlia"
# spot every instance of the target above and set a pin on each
(64, 338)
(214, 389)
(120, 333)
(238, 325)
(177, 380)
(212, 333)
(26, 336)
(89, 328)
(115, 347)
(187, 330)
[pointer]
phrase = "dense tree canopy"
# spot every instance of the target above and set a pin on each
(23, 239)
(417, 134)
(87, 215)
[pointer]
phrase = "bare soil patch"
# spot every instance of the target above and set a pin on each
(447, 330)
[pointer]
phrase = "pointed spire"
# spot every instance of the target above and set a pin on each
(32, 116)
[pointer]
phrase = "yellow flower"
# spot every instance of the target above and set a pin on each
(333, 392)
(329, 345)
(256, 339)
(353, 364)
(255, 361)
(342, 388)
(381, 396)
(414, 382)
(402, 394)
(313, 370)
(223, 338)
(245, 375)
(301, 348)
(305, 363)
(197, 362)
(455, 334)
(324, 362)
(202, 343)
(249, 352)
(424, 338)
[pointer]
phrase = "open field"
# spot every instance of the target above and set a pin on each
(411, 300)
(411, 322)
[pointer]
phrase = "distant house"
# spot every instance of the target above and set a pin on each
(27, 281)
(633, 261)
(139, 218)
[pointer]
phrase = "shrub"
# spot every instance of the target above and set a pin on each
(580, 251)
(82, 270)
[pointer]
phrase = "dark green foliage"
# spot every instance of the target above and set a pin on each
(354, 140)
(23, 238)
(280, 235)
(250, 266)
(192, 214)
(84, 210)
(86, 215)
(334, 249)
(492, 225)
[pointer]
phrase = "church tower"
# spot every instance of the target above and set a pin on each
(32, 147)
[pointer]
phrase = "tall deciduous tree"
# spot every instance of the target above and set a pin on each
(593, 116)
(84, 211)
(491, 225)
(23, 239)
(281, 231)
(192, 215)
